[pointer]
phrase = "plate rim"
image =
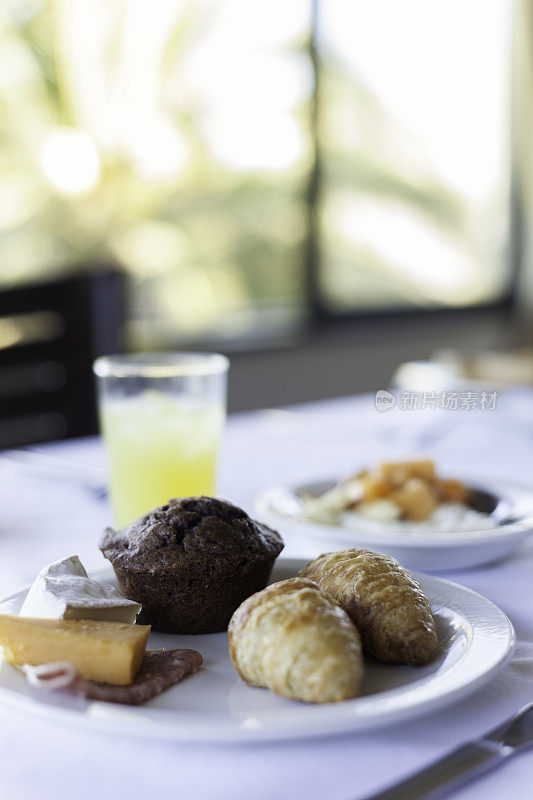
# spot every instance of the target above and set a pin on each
(109, 718)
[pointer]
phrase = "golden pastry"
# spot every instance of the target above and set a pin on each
(382, 599)
(295, 640)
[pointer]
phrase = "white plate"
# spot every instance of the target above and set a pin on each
(278, 507)
(475, 639)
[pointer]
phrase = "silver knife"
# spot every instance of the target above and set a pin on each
(466, 762)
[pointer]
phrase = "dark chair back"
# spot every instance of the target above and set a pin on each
(49, 335)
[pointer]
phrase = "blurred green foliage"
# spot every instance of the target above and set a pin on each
(175, 139)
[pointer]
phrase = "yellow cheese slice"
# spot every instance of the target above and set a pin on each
(110, 652)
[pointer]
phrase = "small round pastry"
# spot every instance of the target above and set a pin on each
(191, 563)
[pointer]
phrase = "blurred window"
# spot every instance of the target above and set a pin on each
(179, 139)
(413, 131)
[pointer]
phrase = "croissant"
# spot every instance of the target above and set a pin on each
(295, 640)
(382, 599)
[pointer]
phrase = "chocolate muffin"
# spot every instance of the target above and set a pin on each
(191, 563)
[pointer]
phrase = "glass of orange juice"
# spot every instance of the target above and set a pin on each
(162, 416)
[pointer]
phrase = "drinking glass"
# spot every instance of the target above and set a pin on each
(162, 416)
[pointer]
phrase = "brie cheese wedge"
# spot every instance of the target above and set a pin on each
(63, 590)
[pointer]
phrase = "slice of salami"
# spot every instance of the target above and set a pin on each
(159, 670)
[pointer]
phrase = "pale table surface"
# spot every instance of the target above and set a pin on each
(43, 520)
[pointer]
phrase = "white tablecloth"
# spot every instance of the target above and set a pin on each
(42, 520)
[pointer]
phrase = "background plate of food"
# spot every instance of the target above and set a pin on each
(406, 509)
